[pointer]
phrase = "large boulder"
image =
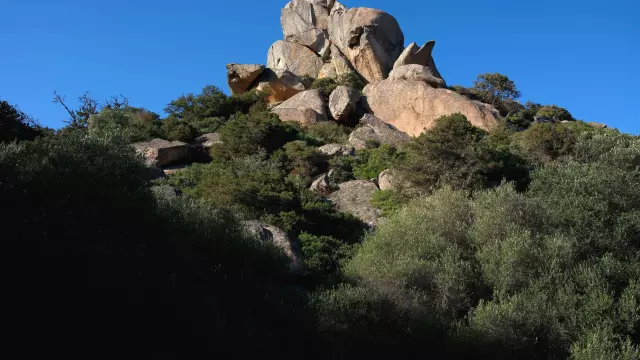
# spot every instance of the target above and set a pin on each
(416, 72)
(354, 197)
(240, 77)
(413, 106)
(274, 235)
(280, 85)
(159, 152)
(343, 102)
(419, 56)
(293, 57)
(306, 22)
(201, 146)
(370, 39)
(335, 150)
(306, 108)
(373, 129)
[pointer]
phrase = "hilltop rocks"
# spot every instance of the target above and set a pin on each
(419, 56)
(374, 129)
(293, 57)
(240, 77)
(354, 197)
(274, 235)
(370, 39)
(306, 108)
(280, 85)
(343, 102)
(416, 72)
(159, 152)
(413, 106)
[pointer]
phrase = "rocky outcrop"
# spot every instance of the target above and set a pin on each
(373, 129)
(354, 197)
(306, 108)
(343, 102)
(306, 22)
(293, 57)
(274, 235)
(419, 56)
(159, 152)
(370, 39)
(413, 106)
(240, 77)
(335, 150)
(279, 85)
(417, 73)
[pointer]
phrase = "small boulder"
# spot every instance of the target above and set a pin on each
(322, 185)
(293, 57)
(280, 85)
(335, 150)
(354, 197)
(419, 56)
(240, 77)
(373, 129)
(386, 180)
(159, 152)
(306, 108)
(343, 102)
(415, 72)
(597, 125)
(274, 235)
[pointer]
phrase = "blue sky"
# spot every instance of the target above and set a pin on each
(583, 55)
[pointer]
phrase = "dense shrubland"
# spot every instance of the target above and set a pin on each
(518, 242)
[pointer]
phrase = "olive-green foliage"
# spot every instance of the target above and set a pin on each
(246, 134)
(523, 118)
(328, 132)
(92, 248)
(369, 163)
(554, 112)
(352, 79)
(328, 85)
(16, 125)
(549, 273)
(494, 87)
(389, 201)
(457, 154)
(323, 256)
(325, 85)
(545, 142)
(140, 124)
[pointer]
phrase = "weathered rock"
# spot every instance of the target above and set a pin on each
(413, 106)
(335, 150)
(166, 192)
(337, 8)
(240, 77)
(386, 180)
(159, 152)
(354, 197)
(374, 129)
(208, 140)
(305, 22)
(371, 39)
(328, 71)
(306, 108)
(280, 85)
(419, 56)
(274, 235)
(415, 72)
(597, 125)
(343, 102)
(293, 57)
(322, 185)
(340, 62)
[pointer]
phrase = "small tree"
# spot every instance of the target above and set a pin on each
(495, 87)
(16, 125)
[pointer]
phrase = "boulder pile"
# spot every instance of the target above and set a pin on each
(323, 39)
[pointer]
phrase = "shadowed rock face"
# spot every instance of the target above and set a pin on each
(240, 77)
(370, 39)
(413, 106)
(280, 85)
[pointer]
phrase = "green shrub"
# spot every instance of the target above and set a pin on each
(389, 201)
(16, 125)
(328, 132)
(325, 85)
(554, 112)
(369, 163)
(323, 256)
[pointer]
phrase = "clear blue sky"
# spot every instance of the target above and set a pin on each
(583, 55)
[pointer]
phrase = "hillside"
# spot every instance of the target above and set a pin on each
(343, 202)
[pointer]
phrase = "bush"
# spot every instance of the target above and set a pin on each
(123, 271)
(325, 85)
(328, 132)
(554, 112)
(323, 257)
(16, 125)
(369, 163)
(138, 123)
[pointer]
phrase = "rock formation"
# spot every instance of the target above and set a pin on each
(159, 152)
(354, 197)
(376, 130)
(276, 236)
(324, 39)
